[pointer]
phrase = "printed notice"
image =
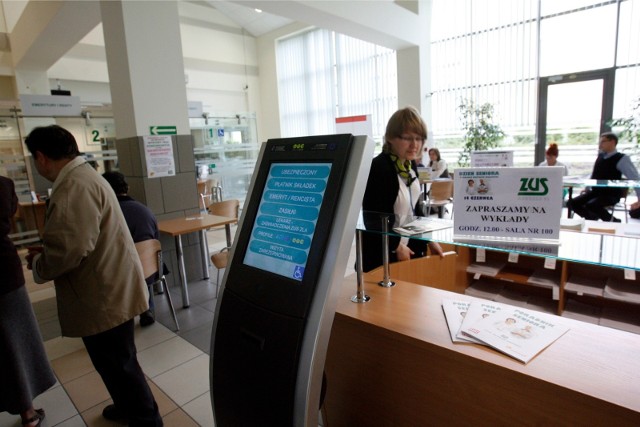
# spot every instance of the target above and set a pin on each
(159, 156)
(491, 159)
(513, 203)
(285, 224)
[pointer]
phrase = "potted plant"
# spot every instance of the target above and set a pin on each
(628, 129)
(630, 125)
(480, 131)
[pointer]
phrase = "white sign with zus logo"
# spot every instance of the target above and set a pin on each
(508, 202)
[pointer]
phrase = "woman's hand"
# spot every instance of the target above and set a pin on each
(403, 253)
(436, 249)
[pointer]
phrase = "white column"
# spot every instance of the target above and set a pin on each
(147, 80)
(146, 68)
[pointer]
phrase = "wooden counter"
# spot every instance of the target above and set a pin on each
(33, 213)
(391, 362)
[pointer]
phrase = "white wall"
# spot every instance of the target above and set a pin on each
(221, 64)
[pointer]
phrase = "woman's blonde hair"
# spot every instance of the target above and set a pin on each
(404, 120)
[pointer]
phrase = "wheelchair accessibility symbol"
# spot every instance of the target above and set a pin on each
(298, 272)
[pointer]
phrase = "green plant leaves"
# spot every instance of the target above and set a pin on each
(481, 133)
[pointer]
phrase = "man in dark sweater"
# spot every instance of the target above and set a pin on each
(610, 165)
(142, 225)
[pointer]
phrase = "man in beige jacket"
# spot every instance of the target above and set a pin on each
(89, 254)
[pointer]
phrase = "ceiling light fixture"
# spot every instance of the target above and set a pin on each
(258, 10)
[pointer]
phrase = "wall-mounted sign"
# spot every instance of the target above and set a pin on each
(50, 105)
(195, 109)
(163, 130)
(491, 159)
(355, 125)
(158, 152)
(520, 203)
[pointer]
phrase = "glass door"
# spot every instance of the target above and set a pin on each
(573, 111)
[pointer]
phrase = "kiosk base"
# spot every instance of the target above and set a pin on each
(255, 363)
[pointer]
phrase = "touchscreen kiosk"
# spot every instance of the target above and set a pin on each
(277, 300)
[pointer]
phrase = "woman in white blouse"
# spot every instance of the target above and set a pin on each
(437, 164)
(552, 158)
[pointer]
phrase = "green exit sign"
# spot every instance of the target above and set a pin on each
(163, 130)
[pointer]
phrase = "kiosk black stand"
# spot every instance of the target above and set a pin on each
(274, 314)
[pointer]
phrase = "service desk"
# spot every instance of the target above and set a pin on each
(391, 362)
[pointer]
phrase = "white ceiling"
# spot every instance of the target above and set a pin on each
(254, 22)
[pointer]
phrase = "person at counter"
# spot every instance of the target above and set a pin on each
(551, 156)
(610, 165)
(89, 254)
(393, 189)
(437, 164)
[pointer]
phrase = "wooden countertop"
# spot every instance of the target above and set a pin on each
(589, 366)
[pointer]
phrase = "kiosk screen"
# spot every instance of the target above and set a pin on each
(286, 220)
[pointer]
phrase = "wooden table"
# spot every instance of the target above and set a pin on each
(179, 226)
(391, 362)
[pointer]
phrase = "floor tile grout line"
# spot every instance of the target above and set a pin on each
(182, 363)
(80, 413)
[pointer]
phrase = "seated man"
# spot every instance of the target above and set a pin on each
(142, 225)
(609, 165)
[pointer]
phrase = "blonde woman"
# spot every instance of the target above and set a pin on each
(393, 189)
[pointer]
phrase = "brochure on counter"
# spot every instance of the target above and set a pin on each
(514, 331)
(476, 312)
(421, 225)
(455, 312)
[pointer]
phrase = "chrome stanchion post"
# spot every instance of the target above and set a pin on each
(359, 296)
(386, 280)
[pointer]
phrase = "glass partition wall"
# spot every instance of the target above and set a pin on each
(95, 135)
(96, 140)
(24, 227)
(226, 149)
(12, 164)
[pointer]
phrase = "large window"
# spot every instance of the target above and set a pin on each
(323, 75)
(504, 52)
(498, 51)
(484, 51)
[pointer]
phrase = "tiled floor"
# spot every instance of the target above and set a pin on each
(176, 364)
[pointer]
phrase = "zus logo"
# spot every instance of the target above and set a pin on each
(533, 187)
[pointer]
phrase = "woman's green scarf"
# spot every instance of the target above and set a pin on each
(403, 168)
